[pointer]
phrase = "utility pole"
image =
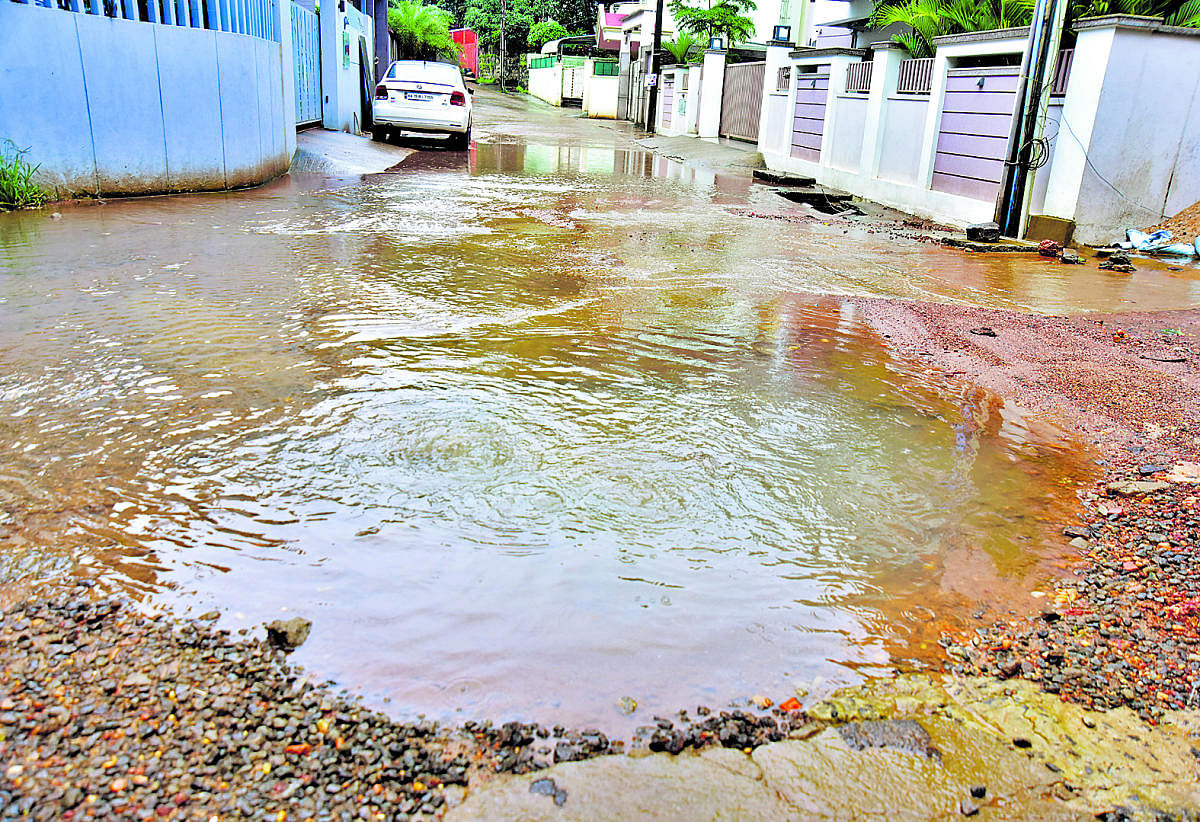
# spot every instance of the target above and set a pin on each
(383, 51)
(503, 15)
(1029, 120)
(652, 106)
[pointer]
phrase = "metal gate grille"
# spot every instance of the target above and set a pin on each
(306, 43)
(741, 100)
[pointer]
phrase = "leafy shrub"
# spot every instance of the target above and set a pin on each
(17, 188)
(542, 33)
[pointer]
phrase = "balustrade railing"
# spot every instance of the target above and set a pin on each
(916, 76)
(1062, 73)
(858, 77)
(257, 18)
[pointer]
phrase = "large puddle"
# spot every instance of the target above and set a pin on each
(524, 438)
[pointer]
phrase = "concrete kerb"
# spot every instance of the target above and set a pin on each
(713, 154)
(914, 747)
(337, 153)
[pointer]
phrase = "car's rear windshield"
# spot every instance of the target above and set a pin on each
(424, 72)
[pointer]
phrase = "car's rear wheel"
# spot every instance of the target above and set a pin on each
(461, 142)
(379, 134)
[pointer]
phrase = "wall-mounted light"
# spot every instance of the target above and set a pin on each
(783, 34)
(716, 43)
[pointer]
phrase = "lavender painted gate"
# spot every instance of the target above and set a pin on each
(977, 115)
(808, 118)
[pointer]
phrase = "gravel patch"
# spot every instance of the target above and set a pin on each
(1123, 627)
(106, 713)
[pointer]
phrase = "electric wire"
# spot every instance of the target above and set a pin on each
(1157, 212)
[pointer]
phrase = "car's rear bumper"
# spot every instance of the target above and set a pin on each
(454, 121)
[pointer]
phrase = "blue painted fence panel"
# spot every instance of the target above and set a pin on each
(306, 42)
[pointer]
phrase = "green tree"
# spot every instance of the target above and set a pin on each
(542, 33)
(577, 16)
(724, 18)
(422, 32)
(483, 17)
(684, 47)
(456, 8)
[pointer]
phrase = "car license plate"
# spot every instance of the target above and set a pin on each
(418, 95)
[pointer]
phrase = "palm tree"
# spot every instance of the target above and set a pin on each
(685, 44)
(421, 32)
(1173, 12)
(928, 19)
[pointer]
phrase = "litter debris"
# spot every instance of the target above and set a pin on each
(1158, 242)
(983, 233)
(1050, 248)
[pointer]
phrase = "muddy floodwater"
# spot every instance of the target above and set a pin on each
(524, 431)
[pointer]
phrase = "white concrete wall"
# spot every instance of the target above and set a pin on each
(1128, 152)
(846, 140)
(123, 107)
(878, 146)
(902, 137)
(599, 92)
(546, 84)
(341, 106)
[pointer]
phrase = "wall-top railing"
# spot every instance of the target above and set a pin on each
(257, 18)
(606, 68)
(1062, 73)
(858, 77)
(543, 62)
(916, 76)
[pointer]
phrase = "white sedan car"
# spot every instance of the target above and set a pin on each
(423, 96)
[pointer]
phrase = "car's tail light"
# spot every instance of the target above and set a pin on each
(457, 98)
(381, 92)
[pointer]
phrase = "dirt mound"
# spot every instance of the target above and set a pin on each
(1184, 226)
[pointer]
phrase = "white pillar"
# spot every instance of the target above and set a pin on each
(885, 73)
(1081, 105)
(331, 60)
(713, 78)
(774, 132)
(838, 64)
(287, 54)
(933, 119)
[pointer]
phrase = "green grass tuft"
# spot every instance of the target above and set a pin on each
(17, 188)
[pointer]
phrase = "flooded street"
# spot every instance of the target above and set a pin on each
(526, 430)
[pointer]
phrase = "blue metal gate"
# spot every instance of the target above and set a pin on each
(306, 41)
